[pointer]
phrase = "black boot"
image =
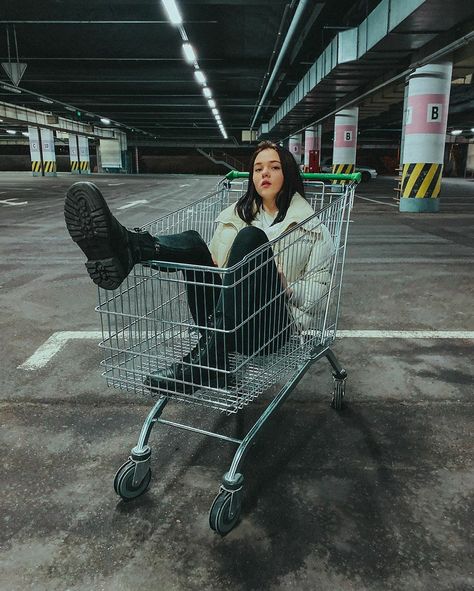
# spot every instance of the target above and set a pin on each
(111, 249)
(205, 365)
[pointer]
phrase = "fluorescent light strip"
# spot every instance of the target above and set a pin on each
(199, 75)
(11, 89)
(189, 53)
(173, 12)
(175, 18)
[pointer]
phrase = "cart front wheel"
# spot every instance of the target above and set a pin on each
(225, 511)
(337, 401)
(123, 482)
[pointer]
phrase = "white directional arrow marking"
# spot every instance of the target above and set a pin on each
(133, 203)
(12, 202)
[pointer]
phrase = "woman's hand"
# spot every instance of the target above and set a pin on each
(284, 282)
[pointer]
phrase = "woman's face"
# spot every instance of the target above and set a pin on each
(268, 174)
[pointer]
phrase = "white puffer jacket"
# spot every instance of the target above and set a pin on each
(304, 255)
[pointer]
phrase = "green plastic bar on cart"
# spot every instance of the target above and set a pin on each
(310, 176)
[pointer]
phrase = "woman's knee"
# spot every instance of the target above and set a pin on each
(252, 236)
(246, 241)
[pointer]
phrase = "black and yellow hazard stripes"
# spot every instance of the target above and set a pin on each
(421, 179)
(80, 167)
(49, 167)
(343, 168)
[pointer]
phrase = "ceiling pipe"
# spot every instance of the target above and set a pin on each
(283, 50)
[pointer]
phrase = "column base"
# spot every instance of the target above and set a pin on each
(417, 205)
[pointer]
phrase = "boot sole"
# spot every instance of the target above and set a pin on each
(87, 218)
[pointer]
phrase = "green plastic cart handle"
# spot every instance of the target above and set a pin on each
(310, 176)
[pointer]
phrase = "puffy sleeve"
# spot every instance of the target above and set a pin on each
(315, 279)
(224, 236)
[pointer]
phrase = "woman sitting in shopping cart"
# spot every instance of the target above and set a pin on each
(278, 280)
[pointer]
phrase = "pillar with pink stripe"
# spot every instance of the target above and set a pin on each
(345, 140)
(424, 136)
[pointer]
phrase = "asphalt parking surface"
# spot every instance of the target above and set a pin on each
(376, 497)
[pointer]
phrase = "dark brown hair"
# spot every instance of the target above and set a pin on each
(292, 183)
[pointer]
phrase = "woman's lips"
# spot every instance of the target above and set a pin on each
(265, 184)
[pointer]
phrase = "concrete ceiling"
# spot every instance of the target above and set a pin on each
(123, 60)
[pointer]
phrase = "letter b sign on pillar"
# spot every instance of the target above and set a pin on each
(434, 112)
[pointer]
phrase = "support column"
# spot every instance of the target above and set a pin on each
(295, 147)
(312, 148)
(84, 156)
(345, 141)
(74, 154)
(43, 155)
(424, 135)
(36, 152)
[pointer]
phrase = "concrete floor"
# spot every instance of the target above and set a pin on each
(378, 497)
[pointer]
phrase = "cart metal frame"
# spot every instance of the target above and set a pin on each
(129, 338)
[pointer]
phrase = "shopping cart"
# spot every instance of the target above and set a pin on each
(147, 325)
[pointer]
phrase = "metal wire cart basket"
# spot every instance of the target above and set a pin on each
(148, 325)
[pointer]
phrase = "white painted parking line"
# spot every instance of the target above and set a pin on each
(133, 203)
(407, 334)
(58, 340)
(54, 344)
(181, 186)
(114, 184)
(375, 201)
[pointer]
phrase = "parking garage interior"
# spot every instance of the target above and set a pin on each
(375, 496)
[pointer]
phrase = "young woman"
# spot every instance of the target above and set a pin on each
(255, 307)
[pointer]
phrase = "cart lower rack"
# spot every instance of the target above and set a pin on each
(220, 337)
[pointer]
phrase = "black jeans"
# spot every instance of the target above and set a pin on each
(250, 303)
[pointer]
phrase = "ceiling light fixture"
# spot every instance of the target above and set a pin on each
(11, 131)
(456, 132)
(189, 53)
(211, 103)
(173, 12)
(45, 100)
(199, 75)
(215, 112)
(105, 121)
(11, 89)
(25, 133)
(207, 92)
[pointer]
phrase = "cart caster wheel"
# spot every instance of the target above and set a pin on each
(123, 482)
(225, 511)
(337, 401)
